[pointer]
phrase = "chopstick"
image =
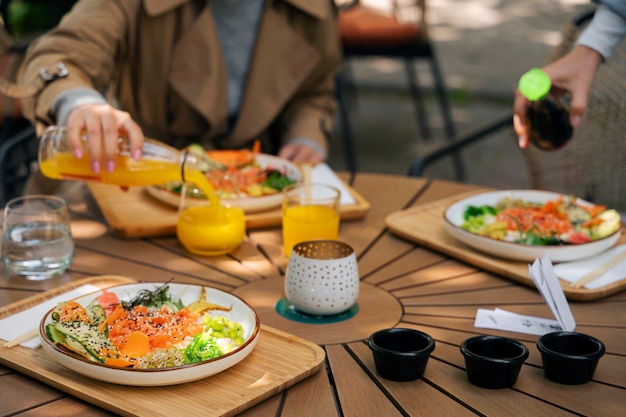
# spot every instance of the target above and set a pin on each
(306, 168)
(22, 338)
(598, 271)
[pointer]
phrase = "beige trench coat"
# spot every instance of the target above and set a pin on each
(160, 60)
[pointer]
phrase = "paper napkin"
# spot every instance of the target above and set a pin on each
(322, 174)
(573, 271)
(513, 322)
(543, 275)
(26, 320)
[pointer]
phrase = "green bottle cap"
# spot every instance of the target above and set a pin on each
(535, 84)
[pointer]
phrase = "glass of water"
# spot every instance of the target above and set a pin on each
(36, 238)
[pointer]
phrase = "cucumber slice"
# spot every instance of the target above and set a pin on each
(172, 306)
(54, 334)
(77, 347)
(611, 222)
(94, 342)
(96, 314)
(56, 313)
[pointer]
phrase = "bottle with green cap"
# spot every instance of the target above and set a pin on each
(547, 117)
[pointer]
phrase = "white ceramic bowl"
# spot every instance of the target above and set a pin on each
(247, 203)
(453, 219)
(322, 277)
(240, 312)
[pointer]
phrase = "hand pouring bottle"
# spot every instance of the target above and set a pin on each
(547, 118)
(211, 229)
(159, 164)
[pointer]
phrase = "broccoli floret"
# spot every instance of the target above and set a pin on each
(202, 347)
(276, 180)
(475, 211)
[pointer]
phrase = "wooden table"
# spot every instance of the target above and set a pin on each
(403, 284)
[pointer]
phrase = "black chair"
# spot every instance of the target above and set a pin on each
(420, 163)
(18, 157)
(403, 35)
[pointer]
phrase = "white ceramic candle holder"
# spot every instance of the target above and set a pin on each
(322, 277)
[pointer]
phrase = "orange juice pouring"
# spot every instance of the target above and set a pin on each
(205, 230)
(310, 212)
(216, 228)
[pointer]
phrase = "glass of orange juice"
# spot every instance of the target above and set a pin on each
(212, 226)
(310, 212)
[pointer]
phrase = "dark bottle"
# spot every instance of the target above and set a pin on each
(547, 118)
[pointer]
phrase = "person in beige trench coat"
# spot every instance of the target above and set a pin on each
(160, 64)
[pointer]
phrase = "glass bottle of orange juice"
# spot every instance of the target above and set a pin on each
(213, 224)
(160, 163)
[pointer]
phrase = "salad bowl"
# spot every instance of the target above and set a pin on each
(239, 312)
(247, 203)
(454, 218)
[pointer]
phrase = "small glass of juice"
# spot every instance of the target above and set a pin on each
(215, 228)
(310, 212)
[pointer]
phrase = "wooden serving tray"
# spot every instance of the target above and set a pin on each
(423, 224)
(134, 213)
(278, 361)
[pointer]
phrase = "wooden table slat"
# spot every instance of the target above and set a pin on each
(415, 397)
(356, 388)
(312, 397)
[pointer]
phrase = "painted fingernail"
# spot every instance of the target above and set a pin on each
(78, 153)
(136, 154)
(95, 167)
(575, 121)
(110, 166)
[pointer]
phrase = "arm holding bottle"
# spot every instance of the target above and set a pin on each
(574, 72)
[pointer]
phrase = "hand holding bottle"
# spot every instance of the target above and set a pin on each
(573, 73)
(102, 124)
(158, 164)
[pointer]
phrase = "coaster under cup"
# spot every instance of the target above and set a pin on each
(287, 310)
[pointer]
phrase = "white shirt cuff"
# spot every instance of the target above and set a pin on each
(68, 100)
(309, 142)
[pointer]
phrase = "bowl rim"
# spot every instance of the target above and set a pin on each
(489, 338)
(598, 353)
(430, 346)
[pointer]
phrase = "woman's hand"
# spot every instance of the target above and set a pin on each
(300, 153)
(573, 73)
(103, 124)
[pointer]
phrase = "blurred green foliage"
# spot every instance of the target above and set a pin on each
(26, 18)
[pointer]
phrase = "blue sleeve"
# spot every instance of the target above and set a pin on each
(616, 6)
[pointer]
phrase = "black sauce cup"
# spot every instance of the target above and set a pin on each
(493, 361)
(400, 354)
(568, 357)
